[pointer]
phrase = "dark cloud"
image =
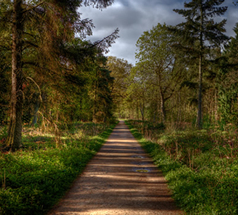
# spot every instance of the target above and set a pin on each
(133, 17)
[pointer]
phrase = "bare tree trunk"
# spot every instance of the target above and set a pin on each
(36, 108)
(142, 112)
(158, 109)
(137, 111)
(179, 108)
(163, 112)
(95, 102)
(216, 107)
(80, 108)
(14, 138)
(199, 115)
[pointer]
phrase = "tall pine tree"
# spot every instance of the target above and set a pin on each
(53, 24)
(200, 32)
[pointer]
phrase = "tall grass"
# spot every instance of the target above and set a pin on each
(34, 178)
(201, 167)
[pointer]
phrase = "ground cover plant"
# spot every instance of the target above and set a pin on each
(201, 166)
(34, 178)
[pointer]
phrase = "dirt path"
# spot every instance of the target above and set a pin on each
(120, 179)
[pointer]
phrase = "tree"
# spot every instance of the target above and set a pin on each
(158, 64)
(226, 80)
(5, 62)
(120, 71)
(50, 25)
(137, 94)
(100, 91)
(200, 32)
(4, 83)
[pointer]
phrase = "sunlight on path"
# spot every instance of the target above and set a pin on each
(120, 179)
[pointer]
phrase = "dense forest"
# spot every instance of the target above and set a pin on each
(57, 88)
(54, 75)
(185, 74)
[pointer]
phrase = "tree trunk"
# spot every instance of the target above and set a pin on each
(36, 108)
(163, 112)
(179, 108)
(95, 102)
(142, 112)
(14, 138)
(199, 116)
(137, 111)
(80, 109)
(216, 107)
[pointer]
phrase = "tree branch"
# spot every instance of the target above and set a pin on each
(33, 7)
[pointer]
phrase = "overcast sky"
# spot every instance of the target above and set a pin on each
(133, 17)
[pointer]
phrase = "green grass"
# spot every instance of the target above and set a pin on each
(201, 168)
(36, 177)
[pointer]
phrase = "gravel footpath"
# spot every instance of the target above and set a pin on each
(120, 179)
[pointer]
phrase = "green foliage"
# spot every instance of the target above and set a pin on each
(157, 74)
(34, 179)
(52, 64)
(226, 81)
(120, 71)
(4, 83)
(227, 97)
(200, 26)
(201, 168)
(138, 124)
(199, 33)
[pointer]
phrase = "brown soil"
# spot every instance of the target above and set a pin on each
(120, 179)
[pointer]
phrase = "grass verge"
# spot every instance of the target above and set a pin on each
(33, 181)
(209, 185)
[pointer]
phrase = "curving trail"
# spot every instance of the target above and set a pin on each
(120, 179)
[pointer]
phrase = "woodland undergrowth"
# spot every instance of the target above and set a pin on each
(34, 178)
(201, 166)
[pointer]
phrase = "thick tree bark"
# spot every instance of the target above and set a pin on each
(14, 139)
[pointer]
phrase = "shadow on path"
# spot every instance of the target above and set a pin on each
(120, 179)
